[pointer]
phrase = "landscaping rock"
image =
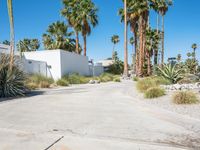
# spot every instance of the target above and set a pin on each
(176, 87)
(92, 82)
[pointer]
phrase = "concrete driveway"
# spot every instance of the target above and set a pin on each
(93, 117)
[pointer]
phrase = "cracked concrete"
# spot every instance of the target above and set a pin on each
(94, 117)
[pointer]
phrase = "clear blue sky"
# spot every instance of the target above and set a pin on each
(32, 18)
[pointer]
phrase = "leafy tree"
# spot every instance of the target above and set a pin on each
(114, 40)
(58, 37)
(27, 45)
(118, 66)
(194, 47)
(71, 13)
(6, 42)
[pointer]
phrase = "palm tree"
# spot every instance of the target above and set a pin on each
(194, 47)
(27, 45)
(114, 40)
(58, 37)
(163, 6)
(87, 15)
(12, 35)
(70, 12)
(125, 40)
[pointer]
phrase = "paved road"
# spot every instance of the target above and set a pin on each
(93, 117)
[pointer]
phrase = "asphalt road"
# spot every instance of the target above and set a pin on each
(93, 117)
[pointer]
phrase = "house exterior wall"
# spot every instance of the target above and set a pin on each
(74, 63)
(52, 59)
(60, 62)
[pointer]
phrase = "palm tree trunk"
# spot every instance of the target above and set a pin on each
(85, 45)
(12, 39)
(148, 64)
(125, 40)
(77, 43)
(113, 52)
(136, 55)
(163, 40)
(156, 51)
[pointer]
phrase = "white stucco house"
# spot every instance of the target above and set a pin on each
(56, 63)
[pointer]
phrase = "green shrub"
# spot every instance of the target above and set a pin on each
(161, 81)
(145, 84)
(62, 82)
(106, 77)
(171, 72)
(38, 81)
(135, 79)
(44, 84)
(185, 97)
(12, 80)
(154, 92)
(116, 79)
(76, 79)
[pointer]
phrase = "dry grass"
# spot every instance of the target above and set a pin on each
(154, 92)
(185, 97)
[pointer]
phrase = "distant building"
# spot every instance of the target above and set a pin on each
(106, 63)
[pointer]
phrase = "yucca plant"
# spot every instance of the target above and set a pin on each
(11, 80)
(171, 73)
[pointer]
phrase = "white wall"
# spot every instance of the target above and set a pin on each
(52, 59)
(74, 63)
(60, 62)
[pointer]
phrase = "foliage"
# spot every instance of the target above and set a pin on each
(117, 67)
(160, 81)
(106, 77)
(11, 79)
(185, 97)
(62, 82)
(171, 73)
(115, 39)
(135, 79)
(116, 79)
(38, 81)
(144, 84)
(154, 92)
(58, 37)
(191, 65)
(76, 79)
(27, 45)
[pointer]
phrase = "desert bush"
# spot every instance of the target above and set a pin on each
(161, 81)
(76, 79)
(12, 79)
(171, 72)
(145, 84)
(38, 81)
(135, 79)
(154, 92)
(106, 77)
(62, 82)
(116, 79)
(185, 97)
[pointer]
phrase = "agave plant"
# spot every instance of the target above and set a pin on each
(11, 80)
(171, 73)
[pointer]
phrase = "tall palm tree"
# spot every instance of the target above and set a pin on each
(194, 47)
(87, 15)
(114, 40)
(70, 12)
(12, 35)
(163, 6)
(125, 40)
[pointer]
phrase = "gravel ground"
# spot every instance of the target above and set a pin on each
(166, 103)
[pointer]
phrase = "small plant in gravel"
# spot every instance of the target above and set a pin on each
(116, 79)
(185, 97)
(38, 81)
(62, 82)
(154, 92)
(144, 84)
(106, 77)
(135, 79)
